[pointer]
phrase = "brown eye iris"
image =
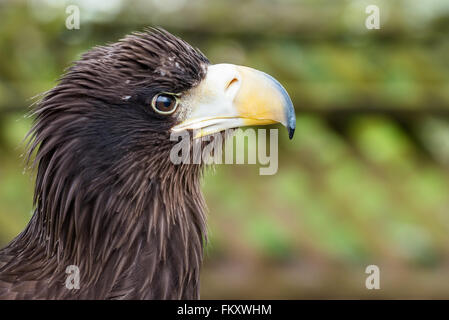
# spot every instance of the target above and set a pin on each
(164, 103)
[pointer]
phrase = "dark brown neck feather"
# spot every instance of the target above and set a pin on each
(126, 246)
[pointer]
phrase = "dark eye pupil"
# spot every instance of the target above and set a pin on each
(165, 102)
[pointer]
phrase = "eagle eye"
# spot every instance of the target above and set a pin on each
(164, 103)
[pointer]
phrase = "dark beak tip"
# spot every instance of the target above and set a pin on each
(291, 132)
(291, 119)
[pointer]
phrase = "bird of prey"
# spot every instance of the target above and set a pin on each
(108, 201)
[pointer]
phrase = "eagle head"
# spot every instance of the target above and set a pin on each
(118, 105)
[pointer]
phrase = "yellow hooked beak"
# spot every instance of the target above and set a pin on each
(233, 96)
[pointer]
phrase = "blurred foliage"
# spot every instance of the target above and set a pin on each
(365, 180)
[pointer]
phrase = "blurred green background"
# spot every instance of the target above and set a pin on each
(365, 179)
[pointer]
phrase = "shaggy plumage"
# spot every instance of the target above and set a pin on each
(106, 198)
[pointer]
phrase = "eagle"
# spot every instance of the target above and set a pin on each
(108, 201)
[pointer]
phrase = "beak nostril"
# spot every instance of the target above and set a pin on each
(231, 83)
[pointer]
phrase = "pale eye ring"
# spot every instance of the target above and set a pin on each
(164, 103)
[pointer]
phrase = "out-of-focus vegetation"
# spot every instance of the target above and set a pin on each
(365, 179)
